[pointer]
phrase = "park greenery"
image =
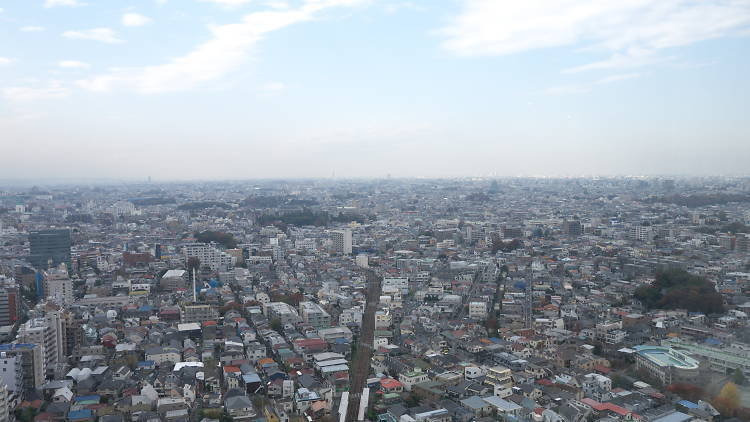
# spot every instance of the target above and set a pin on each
(678, 289)
(225, 239)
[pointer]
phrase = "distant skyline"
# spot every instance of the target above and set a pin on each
(240, 89)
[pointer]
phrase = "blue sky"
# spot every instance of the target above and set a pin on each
(186, 89)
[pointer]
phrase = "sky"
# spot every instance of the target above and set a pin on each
(243, 89)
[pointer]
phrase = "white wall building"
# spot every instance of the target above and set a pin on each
(342, 241)
(209, 255)
(478, 310)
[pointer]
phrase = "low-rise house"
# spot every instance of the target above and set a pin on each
(240, 408)
(409, 379)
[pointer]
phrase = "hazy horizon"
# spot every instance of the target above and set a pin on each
(241, 90)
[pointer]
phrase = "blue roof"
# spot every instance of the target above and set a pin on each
(688, 404)
(87, 398)
(146, 308)
(147, 363)
(251, 378)
(80, 414)
(713, 341)
(12, 346)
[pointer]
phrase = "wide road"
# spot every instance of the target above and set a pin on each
(360, 367)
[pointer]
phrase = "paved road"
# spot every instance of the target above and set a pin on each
(361, 363)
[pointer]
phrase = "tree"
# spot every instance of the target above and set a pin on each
(687, 391)
(225, 239)
(25, 414)
(276, 324)
(412, 400)
(738, 377)
(678, 289)
(491, 325)
(728, 400)
(193, 264)
(619, 381)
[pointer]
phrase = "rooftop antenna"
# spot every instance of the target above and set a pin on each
(195, 296)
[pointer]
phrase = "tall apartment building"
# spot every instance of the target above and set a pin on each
(58, 286)
(742, 243)
(198, 312)
(342, 241)
(640, 233)
(511, 232)
(47, 332)
(11, 374)
(5, 403)
(72, 334)
(9, 301)
(314, 314)
(210, 255)
(49, 248)
(727, 241)
(32, 362)
(362, 261)
(572, 227)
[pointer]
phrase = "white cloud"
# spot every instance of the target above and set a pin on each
(587, 87)
(224, 52)
(630, 31)
(54, 3)
(135, 19)
(53, 90)
(32, 28)
(391, 8)
(273, 87)
(617, 78)
(276, 4)
(73, 64)
(228, 2)
(6, 61)
(95, 34)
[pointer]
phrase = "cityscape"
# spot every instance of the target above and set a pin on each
(374, 211)
(529, 300)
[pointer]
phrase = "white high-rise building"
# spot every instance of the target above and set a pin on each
(46, 332)
(11, 374)
(209, 255)
(60, 290)
(342, 241)
(5, 403)
(362, 261)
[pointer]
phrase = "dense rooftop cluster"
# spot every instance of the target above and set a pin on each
(530, 300)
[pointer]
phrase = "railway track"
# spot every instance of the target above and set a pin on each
(360, 367)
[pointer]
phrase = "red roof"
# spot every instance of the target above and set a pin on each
(231, 369)
(608, 406)
(390, 383)
(311, 343)
(603, 369)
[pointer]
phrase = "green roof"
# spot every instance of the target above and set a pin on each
(666, 356)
